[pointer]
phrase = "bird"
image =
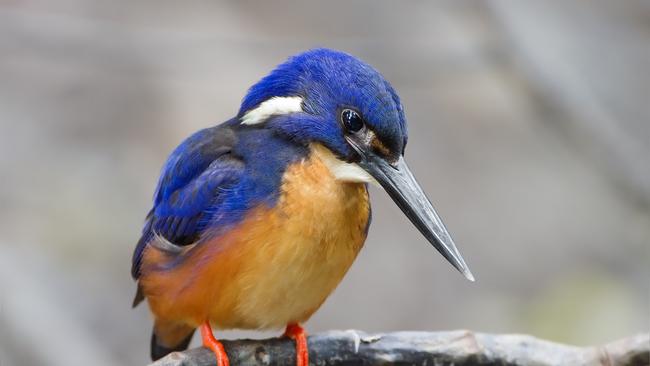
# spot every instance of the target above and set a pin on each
(255, 221)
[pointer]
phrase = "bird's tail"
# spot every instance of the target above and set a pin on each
(169, 337)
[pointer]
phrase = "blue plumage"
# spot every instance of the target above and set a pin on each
(212, 179)
(327, 81)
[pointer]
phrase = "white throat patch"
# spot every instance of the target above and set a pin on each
(341, 170)
(272, 107)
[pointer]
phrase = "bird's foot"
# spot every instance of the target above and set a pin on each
(213, 344)
(295, 332)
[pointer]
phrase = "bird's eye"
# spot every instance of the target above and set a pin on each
(351, 120)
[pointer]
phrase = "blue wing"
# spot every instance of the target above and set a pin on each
(193, 181)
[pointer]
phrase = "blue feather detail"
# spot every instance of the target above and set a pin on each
(329, 80)
(212, 179)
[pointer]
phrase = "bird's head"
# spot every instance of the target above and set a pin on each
(336, 100)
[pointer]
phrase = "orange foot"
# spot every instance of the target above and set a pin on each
(212, 343)
(295, 332)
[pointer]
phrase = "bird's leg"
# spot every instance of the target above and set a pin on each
(213, 344)
(295, 332)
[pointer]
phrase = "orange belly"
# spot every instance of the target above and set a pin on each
(276, 267)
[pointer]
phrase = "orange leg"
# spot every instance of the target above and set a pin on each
(295, 332)
(213, 344)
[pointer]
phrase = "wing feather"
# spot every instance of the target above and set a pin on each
(192, 182)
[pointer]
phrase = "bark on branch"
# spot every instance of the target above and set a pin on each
(422, 348)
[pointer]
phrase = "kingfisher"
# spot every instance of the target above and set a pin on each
(255, 221)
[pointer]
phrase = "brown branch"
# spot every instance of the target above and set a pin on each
(422, 348)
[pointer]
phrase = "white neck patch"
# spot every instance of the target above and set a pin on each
(350, 172)
(344, 171)
(272, 107)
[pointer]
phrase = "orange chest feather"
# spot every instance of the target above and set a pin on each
(280, 264)
(331, 215)
(299, 251)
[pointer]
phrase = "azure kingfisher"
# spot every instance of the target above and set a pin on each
(255, 221)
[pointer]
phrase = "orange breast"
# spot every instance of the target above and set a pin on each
(278, 266)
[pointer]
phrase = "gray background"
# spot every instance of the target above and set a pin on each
(529, 130)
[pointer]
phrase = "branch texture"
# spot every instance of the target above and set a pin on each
(422, 348)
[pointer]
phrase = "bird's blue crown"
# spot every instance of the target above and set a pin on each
(329, 81)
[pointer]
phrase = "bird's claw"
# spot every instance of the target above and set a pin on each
(295, 332)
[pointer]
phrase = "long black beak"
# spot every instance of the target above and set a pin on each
(402, 187)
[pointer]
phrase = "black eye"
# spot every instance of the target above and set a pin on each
(351, 120)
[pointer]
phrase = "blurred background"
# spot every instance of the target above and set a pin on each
(530, 130)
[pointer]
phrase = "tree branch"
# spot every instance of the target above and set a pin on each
(423, 348)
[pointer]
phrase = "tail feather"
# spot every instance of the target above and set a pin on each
(177, 338)
(159, 351)
(139, 296)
